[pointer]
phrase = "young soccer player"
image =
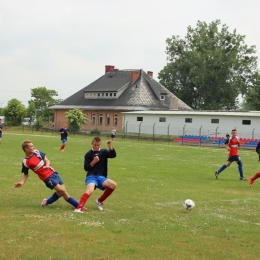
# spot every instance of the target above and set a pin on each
(64, 132)
(257, 149)
(95, 164)
(38, 162)
(113, 134)
(232, 145)
(252, 179)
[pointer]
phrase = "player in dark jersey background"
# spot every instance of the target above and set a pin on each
(64, 132)
(232, 143)
(38, 162)
(1, 130)
(95, 163)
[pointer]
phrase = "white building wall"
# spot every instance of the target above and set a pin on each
(201, 124)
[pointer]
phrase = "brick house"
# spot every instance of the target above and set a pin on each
(115, 92)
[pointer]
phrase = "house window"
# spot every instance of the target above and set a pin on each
(115, 119)
(103, 94)
(188, 120)
(114, 94)
(98, 94)
(162, 119)
(139, 118)
(108, 119)
(215, 121)
(106, 94)
(100, 119)
(162, 97)
(246, 122)
(111, 94)
(93, 119)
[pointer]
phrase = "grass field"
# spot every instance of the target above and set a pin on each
(144, 218)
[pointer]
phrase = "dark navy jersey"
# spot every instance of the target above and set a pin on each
(65, 134)
(100, 168)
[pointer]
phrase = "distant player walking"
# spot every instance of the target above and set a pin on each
(232, 143)
(64, 132)
(113, 134)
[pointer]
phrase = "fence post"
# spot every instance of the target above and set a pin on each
(200, 134)
(139, 130)
(183, 133)
(153, 130)
(168, 133)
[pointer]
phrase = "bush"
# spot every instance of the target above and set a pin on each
(95, 132)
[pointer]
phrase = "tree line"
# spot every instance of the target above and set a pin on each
(38, 110)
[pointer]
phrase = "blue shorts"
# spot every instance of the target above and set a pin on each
(53, 180)
(98, 180)
(234, 159)
(64, 140)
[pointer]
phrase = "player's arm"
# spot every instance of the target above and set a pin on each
(112, 152)
(47, 162)
(226, 144)
(21, 183)
(89, 163)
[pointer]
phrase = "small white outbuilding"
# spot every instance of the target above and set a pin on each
(175, 123)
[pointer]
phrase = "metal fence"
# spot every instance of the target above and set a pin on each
(172, 130)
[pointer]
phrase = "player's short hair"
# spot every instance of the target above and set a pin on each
(25, 144)
(96, 139)
(234, 130)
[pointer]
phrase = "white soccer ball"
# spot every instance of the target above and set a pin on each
(189, 204)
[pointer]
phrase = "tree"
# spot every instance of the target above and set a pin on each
(44, 98)
(209, 68)
(76, 119)
(252, 97)
(14, 112)
(31, 111)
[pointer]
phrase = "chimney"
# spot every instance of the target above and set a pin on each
(109, 68)
(134, 75)
(174, 104)
(150, 73)
(115, 70)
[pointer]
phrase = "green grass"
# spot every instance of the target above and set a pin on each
(144, 218)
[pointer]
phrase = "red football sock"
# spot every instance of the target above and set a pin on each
(256, 176)
(83, 200)
(62, 146)
(106, 193)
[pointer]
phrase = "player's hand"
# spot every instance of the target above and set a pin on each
(18, 185)
(109, 144)
(96, 159)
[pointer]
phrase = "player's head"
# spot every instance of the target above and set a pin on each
(27, 144)
(65, 125)
(234, 132)
(96, 143)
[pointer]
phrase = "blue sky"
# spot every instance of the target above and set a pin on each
(64, 45)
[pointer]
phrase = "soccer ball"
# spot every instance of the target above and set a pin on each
(189, 204)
